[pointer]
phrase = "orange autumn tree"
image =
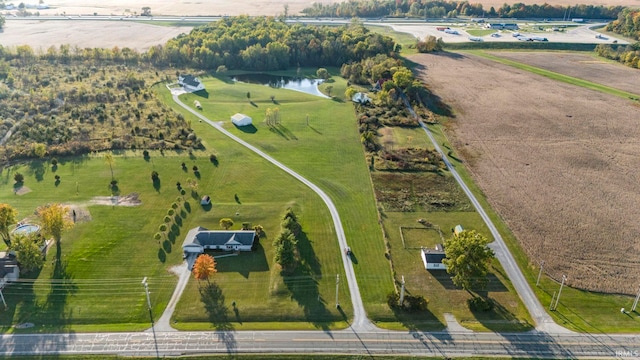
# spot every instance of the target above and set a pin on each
(204, 267)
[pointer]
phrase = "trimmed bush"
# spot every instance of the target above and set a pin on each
(163, 227)
(478, 303)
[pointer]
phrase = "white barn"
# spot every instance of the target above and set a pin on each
(241, 120)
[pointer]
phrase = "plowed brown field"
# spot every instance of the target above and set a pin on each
(560, 163)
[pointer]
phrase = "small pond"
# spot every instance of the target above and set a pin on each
(309, 86)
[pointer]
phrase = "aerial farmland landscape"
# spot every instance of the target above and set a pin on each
(337, 179)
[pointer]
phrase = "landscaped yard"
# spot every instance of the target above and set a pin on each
(327, 151)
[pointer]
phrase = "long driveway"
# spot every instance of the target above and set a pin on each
(542, 319)
(360, 320)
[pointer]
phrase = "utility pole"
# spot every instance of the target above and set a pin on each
(564, 278)
(402, 292)
(337, 282)
(633, 308)
(551, 303)
(146, 290)
(540, 273)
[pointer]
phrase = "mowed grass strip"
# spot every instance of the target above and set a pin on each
(557, 76)
(327, 151)
(578, 310)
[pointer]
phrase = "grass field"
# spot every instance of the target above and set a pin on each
(327, 152)
(443, 296)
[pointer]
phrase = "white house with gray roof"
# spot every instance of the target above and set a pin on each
(190, 83)
(199, 239)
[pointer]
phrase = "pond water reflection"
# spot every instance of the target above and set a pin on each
(309, 86)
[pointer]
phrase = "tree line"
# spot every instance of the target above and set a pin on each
(627, 24)
(265, 43)
(451, 9)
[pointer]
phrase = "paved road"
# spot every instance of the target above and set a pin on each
(542, 319)
(533, 345)
(360, 320)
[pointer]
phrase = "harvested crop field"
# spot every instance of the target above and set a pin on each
(40, 35)
(559, 163)
(583, 66)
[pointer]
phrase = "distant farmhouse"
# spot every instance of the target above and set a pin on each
(432, 258)
(190, 83)
(502, 26)
(200, 239)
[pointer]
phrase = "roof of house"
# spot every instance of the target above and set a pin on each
(204, 237)
(433, 256)
(190, 80)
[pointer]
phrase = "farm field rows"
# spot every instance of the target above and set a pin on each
(558, 174)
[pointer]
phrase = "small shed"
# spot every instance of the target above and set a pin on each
(432, 258)
(241, 120)
(457, 230)
(206, 200)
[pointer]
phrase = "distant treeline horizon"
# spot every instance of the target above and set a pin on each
(452, 9)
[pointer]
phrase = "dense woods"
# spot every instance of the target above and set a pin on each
(264, 43)
(627, 23)
(440, 9)
(56, 105)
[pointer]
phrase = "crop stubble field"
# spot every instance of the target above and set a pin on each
(559, 163)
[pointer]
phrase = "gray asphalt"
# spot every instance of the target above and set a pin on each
(444, 344)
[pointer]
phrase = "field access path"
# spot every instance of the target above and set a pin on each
(542, 319)
(360, 320)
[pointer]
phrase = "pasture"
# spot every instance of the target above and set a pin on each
(556, 173)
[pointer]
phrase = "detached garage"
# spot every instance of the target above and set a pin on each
(240, 120)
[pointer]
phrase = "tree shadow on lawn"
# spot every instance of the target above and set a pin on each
(245, 263)
(303, 285)
(423, 320)
(21, 302)
(498, 318)
(157, 184)
(62, 286)
(36, 167)
(214, 304)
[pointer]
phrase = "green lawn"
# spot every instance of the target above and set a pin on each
(578, 310)
(327, 151)
(436, 286)
(105, 259)
(407, 41)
